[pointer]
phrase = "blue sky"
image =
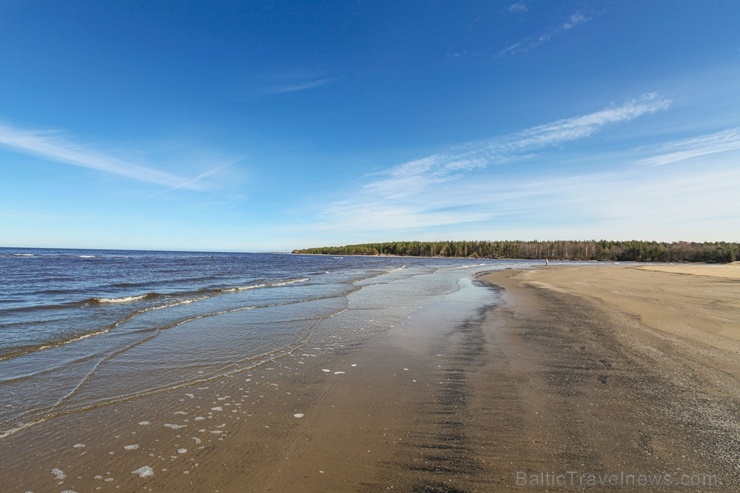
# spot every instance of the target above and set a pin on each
(273, 125)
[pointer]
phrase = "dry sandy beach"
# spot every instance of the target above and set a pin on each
(574, 378)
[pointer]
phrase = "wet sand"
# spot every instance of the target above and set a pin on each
(624, 370)
(572, 376)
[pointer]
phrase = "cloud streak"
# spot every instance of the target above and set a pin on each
(518, 8)
(418, 198)
(579, 127)
(53, 147)
(704, 145)
(605, 204)
(296, 80)
(193, 183)
(528, 44)
(301, 86)
(412, 177)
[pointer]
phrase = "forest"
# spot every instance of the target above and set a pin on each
(623, 251)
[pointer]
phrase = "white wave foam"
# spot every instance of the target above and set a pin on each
(84, 336)
(123, 299)
(244, 288)
(21, 427)
(48, 346)
(265, 285)
(466, 266)
(173, 304)
(291, 281)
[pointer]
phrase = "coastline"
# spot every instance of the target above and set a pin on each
(593, 369)
(626, 370)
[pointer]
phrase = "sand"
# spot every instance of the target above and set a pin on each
(584, 378)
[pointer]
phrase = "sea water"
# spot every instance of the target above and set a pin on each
(83, 328)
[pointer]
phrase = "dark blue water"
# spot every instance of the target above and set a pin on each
(50, 297)
(80, 328)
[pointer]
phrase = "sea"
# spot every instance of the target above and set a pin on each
(85, 328)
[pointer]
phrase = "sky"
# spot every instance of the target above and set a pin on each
(273, 125)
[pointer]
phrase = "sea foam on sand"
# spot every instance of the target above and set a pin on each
(144, 472)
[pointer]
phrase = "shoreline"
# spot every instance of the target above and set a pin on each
(598, 369)
(630, 369)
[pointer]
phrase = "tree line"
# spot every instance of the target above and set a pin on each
(624, 251)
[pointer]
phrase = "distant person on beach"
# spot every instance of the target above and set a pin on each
(546, 263)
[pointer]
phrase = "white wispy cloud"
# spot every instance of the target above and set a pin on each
(53, 147)
(296, 79)
(530, 43)
(192, 183)
(452, 194)
(518, 8)
(301, 85)
(373, 217)
(579, 127)
(414, 176)
(605, 204)
(703, 145)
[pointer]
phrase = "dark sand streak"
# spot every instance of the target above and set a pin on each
(551, 382)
